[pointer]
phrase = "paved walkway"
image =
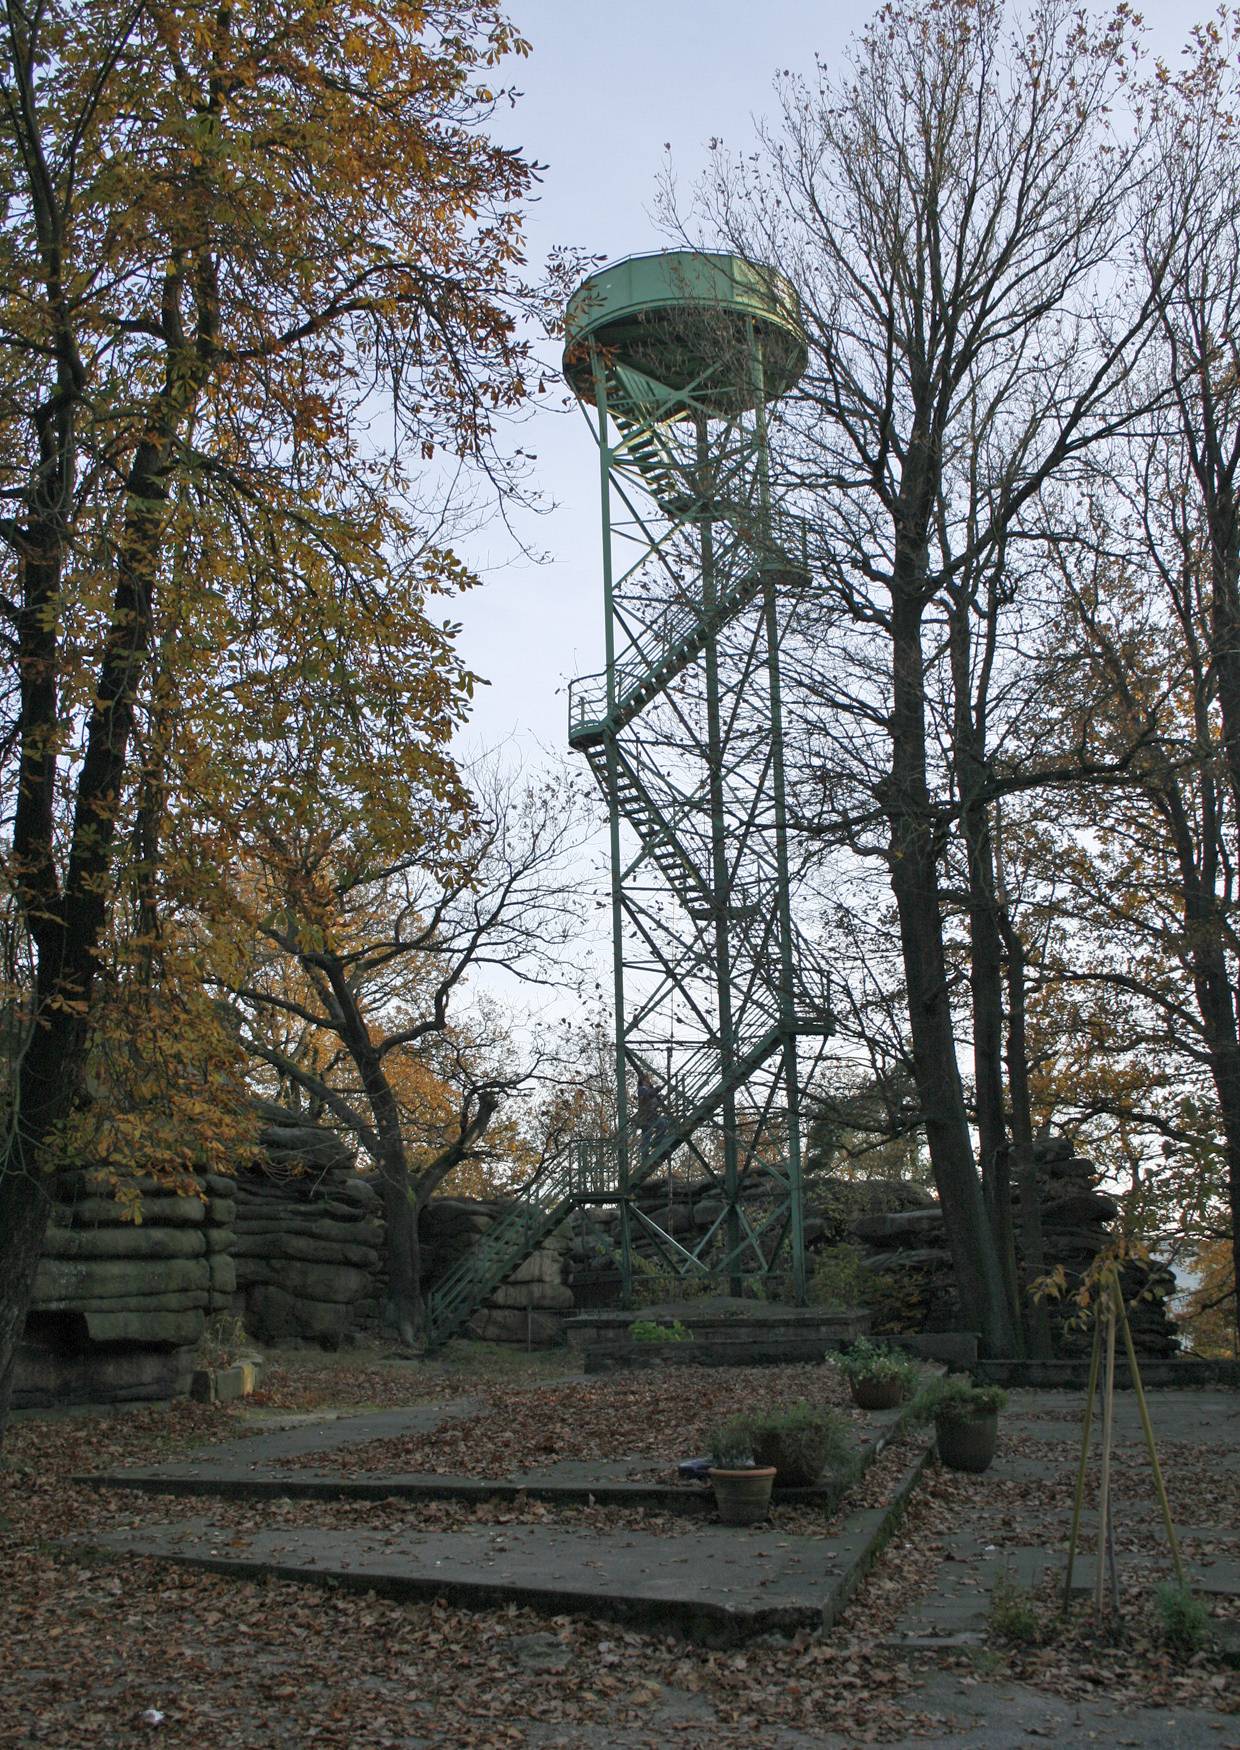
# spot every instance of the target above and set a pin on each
(712, 1584)
(1019, 1548)
(270, 1443)
(256, 1465)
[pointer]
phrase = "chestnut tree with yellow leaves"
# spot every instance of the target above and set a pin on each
(258, 265)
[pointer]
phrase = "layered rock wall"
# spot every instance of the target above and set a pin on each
(688, 1209)
(119, 1304)
(907, 1257)
(309, 1236)
(290, 1246)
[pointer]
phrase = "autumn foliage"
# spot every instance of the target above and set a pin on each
(257, 271)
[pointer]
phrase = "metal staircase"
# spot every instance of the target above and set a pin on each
(653, 659)
(587, 1171)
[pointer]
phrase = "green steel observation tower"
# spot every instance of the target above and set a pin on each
(677, 357)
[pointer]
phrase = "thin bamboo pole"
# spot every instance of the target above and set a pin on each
(1147, 1425)
(1094, 1356)
(1108, 1432)
(1113, 1565)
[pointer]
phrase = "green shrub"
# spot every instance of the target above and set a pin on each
(1184, 1620)
(897, 1300)
(1015, 1615)
(802, 1439)
(878, 1361)
(731, 1444)
(956, 1399)
(652, 1285)
(838, 1278)
(651, 1331)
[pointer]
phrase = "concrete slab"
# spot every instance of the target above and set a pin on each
(1208, 1419)
(987, 1714)
(714, 1585)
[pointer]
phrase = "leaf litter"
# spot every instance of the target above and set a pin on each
(95, 1649)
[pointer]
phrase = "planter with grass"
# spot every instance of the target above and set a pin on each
(800, 1443)
(226, 1366)
(742, 1487)
(879, 1377)
(966, 1422)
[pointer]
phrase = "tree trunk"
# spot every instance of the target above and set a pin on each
(69, 928)
(24, 1207)
(49, 1071)
(1216, 1004)
(1037, 1321)
(1225, 1066)
(914, 852)
(986, 989)
(403, 1255)
(1224, 527)
(400, 1206)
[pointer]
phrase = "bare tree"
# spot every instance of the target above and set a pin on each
(1192, 259)
(953, 213)
(371, 980)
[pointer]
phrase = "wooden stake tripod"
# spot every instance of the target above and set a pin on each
(1110, 1314)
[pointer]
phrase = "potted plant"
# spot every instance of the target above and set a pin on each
(966, 1422)
(226, 1365)
(800, 1442)
(742, 1488)
(878, 1376)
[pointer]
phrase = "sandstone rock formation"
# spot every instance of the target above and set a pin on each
(689, 1208)
(908, 1257)
(309, 1237)
(119, 1305)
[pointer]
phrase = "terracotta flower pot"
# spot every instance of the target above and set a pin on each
(877, 1394)
(968, 1445)
(743, 1497)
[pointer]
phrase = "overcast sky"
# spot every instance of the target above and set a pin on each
(604, 90)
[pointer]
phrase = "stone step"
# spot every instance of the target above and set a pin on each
(715, 1585)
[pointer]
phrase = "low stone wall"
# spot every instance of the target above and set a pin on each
(724, 1333)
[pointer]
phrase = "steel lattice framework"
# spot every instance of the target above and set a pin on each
(677, 356)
